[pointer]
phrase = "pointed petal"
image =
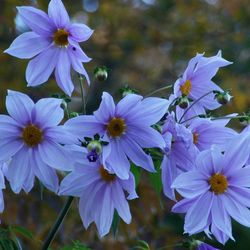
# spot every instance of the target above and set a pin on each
(146, 137)
(9, 147)
(220, 217)
(9, 128)
(37, 20)
(58, 13)
(137, 155)
(84, 126)
(126, 105)
(197, 216)
(60, 135)
(44, 173)
(237, 153)
(106, 110)
(75, 183)
(19, 106)
(41, 67)
(48, 112)
(55, 155)
(183, 206)
(120, 202)
(62, 73)
(27, 45)
(129, 186)
(80, 32)
(169, 173)
(191, 184)
(118, 161)
(150, 111)
(104, 220)
(18, 169)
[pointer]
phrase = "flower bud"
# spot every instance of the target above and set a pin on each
(127, 90)
(101, 73)
(73, 114)
(183, 102)
(223, 97)
(94, 146)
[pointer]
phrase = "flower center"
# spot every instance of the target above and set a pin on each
(106, 176)
(116, 127)
(218, 183)
(186, 88)
(61, 37)
(195, 138)
(32, 135)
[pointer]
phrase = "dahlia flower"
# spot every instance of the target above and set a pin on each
(126, 127)
(53, 44)
(100, 192)
(31, 138)
(216, 190)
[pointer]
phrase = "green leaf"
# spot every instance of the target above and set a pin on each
(22, 231)
(155, 178)
(76, 245)
(142, 245)
(115, 223)
(136, 172)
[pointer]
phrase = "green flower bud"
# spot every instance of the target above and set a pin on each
(183, 102)
(223, 97)
(101, 73)
(94, 146)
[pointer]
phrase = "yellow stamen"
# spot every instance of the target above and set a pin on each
(61, 37)
(218, 183)
(32, 135)
(116, 127)
(195, 138)
(106, 176)
(186, 88)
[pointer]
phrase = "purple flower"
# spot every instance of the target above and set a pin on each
(196, 82)
(207, 132)
(179, 153)
(216, 190)
(31, 138)
(127, 128)
(54, 42)
(204, 246)
(100, 192)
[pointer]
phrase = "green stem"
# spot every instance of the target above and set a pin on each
(158, 90)
(82, 95)
(193, 103)
(57, 223)
(229, 117)
(217, 118)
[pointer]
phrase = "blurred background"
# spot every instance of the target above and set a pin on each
(146, 44)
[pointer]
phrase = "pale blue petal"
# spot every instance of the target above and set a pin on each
(37, 20)
(27, 45)
(58, 14)
(19, 107)
(41, 67)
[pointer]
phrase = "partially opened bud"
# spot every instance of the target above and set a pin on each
(223, 97)
(183, 102)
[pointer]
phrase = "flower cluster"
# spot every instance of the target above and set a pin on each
(202, 159)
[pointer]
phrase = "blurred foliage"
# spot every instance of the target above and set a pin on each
(146, 46)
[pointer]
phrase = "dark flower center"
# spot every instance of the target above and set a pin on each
(61, 37)
(186, 88)
(32, 135)
(116, 127)
(218, 183)
(106, 176)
